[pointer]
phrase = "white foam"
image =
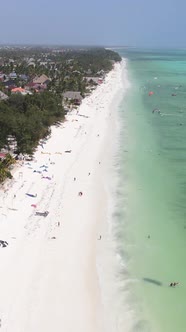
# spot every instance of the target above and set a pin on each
(112, 269)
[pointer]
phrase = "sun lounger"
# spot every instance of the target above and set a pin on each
(31, 195)
(3, 244)
(42, 214)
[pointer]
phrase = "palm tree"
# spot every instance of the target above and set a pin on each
(4, 167)
(3, 174)
(9, 160)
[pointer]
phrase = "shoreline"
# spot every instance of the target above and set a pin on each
(109, 263)
(48, 269)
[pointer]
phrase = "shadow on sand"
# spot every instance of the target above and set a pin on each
(153, 281)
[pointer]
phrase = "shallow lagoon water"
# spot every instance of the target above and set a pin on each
(152, 198)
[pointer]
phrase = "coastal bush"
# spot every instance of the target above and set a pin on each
(28, 119)
(4, 167)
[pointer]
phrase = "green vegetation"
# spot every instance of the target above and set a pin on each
(26, 118)
(4, 167)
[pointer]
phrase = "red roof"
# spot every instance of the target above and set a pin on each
(18, 90)
(2, 155)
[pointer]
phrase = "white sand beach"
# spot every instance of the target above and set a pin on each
(48, 276)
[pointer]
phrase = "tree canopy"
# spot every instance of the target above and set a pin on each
(28, 118)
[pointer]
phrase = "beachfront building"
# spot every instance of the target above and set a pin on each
(74, 96)
(13, 76)
(11, 144)
(21, 91)
(23, 77)
(95, 80)
(2, 77)
(3, 96)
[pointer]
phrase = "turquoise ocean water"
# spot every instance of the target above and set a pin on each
(151, 197)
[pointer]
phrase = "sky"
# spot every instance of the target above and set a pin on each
(138, 23)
